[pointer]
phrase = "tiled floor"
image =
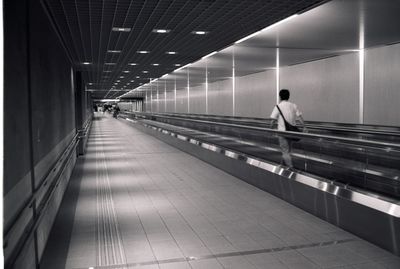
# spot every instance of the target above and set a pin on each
(135, 202)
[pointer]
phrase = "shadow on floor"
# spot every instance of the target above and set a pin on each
(55, 253)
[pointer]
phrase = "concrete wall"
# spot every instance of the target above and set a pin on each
(255, 94)
(39, 121)
(325, 89)
(382, 86)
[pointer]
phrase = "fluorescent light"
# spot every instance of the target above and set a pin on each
(86, 63)
(109, 100)
(132, 63)
(266, 28)
(182, 67)
(121, 29)
(208, 55)
(171, 52)
(280, 22)
(161, 31)
(114, 51)
(143, 51)
(199, 32)
(247, 37)
(156, 64)
(110, 63)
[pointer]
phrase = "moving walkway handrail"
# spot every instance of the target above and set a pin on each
(298, 134)
(308, 124)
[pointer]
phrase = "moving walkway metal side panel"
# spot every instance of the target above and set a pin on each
(372, 225)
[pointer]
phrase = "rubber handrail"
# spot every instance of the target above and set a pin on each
(297, 134)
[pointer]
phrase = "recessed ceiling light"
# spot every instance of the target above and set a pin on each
(143, 51)
(121, 76)
(118, 80)
(107, 71)
(90, 83)
(132, 80)
(114, 51)
(200, 32)
(161, 31)
(127, 83)
(156, 64)
(177, 64)
(126, 71)
(137, 76)
(132, 63)
(110, 63)
(145, 71)
(121, 29)
(171, 52)
(86, 63)
(115, 83)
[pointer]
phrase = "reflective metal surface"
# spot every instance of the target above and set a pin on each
(379, 203)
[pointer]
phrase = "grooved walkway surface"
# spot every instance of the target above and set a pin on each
(136, 202)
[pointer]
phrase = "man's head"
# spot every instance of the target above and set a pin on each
(284, 94)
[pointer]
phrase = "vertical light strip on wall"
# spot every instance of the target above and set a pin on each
(158, 99)
(361, 55)
(206, 87)
(165, 96)
(147, 101)
(188, 91)
(233, 82)
(277, 75)
(175, 93)
(1, 115)
(151, 98)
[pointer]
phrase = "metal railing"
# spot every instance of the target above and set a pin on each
(55, 173)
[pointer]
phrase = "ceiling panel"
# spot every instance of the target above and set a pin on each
(86, 30)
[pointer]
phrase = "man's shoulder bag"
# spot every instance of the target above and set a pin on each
(289, 127)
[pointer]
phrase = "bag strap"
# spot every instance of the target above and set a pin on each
(280, 112)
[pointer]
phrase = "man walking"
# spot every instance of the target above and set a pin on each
(288, 111)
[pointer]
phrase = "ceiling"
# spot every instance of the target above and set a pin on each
(86, 29)
(335, 28)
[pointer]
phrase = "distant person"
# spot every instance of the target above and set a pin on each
(116, 111)
(288, 111)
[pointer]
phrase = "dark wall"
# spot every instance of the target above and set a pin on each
(53, 111)
(39, 113)
(16, 107)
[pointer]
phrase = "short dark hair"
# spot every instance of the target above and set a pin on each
(284, 94)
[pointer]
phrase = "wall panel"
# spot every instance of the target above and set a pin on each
(220, 98)
(325, 90)
(198, 99)
(382, 86)
(255, 94)
(53, 100)
(181, 93)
